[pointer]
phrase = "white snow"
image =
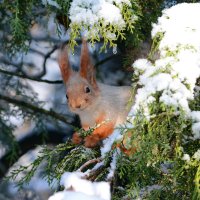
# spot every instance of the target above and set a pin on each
(111, 14)
(175, 72)
(196, 130)
(112, 166)
(84, 11)
(195, 115)
(108, 142)
(81, 189)
(70, 195)
(180, 20)
(91, 12)
(186, 157)
(50, 2)
(197, 155)
(93, 15)
(141, 65)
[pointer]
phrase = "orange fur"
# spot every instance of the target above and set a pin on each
(64, 65)
(100, 118)
(122, 145)
(76, 139)
(87, 69)
(101, 132)
(104, 130)
(92, 141)
(85, 61)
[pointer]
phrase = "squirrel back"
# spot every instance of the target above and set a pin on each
(94, 102)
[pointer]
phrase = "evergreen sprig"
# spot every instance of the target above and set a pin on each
(56, 160)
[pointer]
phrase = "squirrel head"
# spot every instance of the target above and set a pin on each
(81, 87)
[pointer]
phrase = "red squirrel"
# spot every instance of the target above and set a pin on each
(94, 102)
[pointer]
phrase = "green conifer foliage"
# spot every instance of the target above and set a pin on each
(156, 164)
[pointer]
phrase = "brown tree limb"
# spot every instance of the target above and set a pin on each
(93, 174)
(30, 78)
(36, 109)
(45, 80)
(43, 72)
(89, 162)
(45, 60)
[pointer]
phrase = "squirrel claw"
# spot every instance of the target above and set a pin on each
(91, 141)
(76, 139)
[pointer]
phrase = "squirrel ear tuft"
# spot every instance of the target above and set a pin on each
(63, 62)
(86, 67)
(85, 60)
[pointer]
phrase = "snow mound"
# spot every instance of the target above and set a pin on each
(79, 188)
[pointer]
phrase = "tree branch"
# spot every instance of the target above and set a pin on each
(92, 175)
(45, 80)
(89, 162)
(45, 39)
(31, 141)
(44, 62)
(30, 78)
(43, 72)
(36, 109)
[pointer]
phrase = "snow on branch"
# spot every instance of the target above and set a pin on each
(78, 188)
(101, 18)
(176, 71)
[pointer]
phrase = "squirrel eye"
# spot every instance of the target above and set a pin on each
(66, 96)
(87, 90)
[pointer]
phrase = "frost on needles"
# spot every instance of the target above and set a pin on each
(174, 74)
(104, 19)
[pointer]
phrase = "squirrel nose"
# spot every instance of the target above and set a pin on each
(78, 106)
(75, 105)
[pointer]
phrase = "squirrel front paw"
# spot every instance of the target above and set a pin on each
(76, 139)
(92, 141)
